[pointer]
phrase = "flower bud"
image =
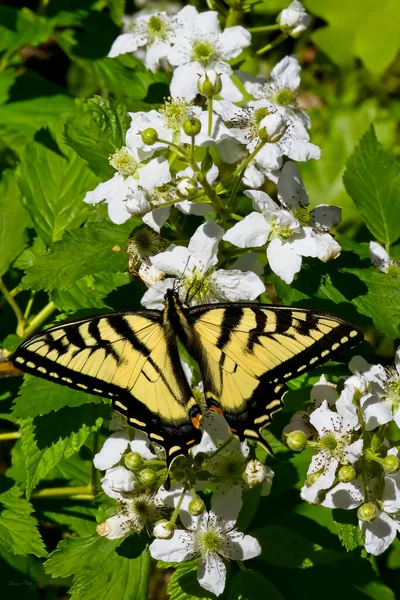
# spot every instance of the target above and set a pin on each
(137, 203)
(187, 188)
(192, 126)
(347, 473)
(294, 19)
(313, 477)
(163, 530)
(133, 460)
(390, 464)
(255, 473)
(367, 512)
(148, 477)
(196, 506)
(149, 136)
(209, 84)
(296, 440)
(272, 128)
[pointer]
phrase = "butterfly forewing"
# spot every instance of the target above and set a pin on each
(246, 353)
(128, 357)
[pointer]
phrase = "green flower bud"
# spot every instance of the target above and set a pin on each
(390, 464)
(163, 530)
(133, 460)
(347, 473)
(192, 126)
(149, 136)
(367, 512)
(148, 477)
(196, 506)
(209, 84)
(187, 188)
(296, 440)
(313, 477)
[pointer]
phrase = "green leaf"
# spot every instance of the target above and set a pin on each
(372, 179)
(183, 584)
(38, 397)
(96, 248)
(48, 439)
(29, 255)
(380, 301)
(53, 183)
(102, 568)
(117, 10)
(18, 528)
(393, 561)
(21, 27)
(347, 529)
(96, 131)
(346, 38)
(13, 222)
(88, 292)
(251, 585)
(80, 519)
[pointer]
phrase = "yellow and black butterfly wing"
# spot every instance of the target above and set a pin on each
(129, 358)
(247, 351)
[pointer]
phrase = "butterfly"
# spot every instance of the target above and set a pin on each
(245, 351)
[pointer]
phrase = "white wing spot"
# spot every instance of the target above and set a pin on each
(55, 375)
(30, 364)
(42, 370)
(20, 359)
(344, 339)
(324, 353)
(353, 333)
(335, 346)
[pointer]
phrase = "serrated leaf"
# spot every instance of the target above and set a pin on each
(183, 584)
(251, 585)
(96, 248)
(18, 528)
(38, 397)
(21, 27)
(347, 529)
(53, 186)
(96, 131)
(102, 568)
(88, 292)
(48, 439)
(372, 179)
(80, 519)
(13, 222)
(29, 255)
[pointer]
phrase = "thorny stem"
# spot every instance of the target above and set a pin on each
(17, 311)
(281, 38)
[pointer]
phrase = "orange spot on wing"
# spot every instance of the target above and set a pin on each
(216, 409)
(190, 442)
(196, 420)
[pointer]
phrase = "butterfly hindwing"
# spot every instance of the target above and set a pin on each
(247, 351)
(127, 357)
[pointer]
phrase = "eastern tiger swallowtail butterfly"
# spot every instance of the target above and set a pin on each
(246, 352)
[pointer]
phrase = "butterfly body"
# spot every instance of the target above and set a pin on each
(245, 351)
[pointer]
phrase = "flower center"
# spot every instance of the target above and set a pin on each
(392, 390)
(204, 53)
(281, 231)
(144, 243)
(231, 467)
(160, 195)
(211, 542)
(156, 28)
(335, 445)
(175, 112)
(198, 284)
(123, 161)
(284, 97)
(328, 442)
(302, 215)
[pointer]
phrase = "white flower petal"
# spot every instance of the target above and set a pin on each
(238, 546)
(324, 481)
(116, 527)
(252, 231)
(154, 297)
(211, 573)
(376, 411)
(184, 82)
(324, 419)
(391, 493)
(236, 286)
(174, 260)
(283, 260)
(347, 409)
(252, 176)
(127, 42)
(379, 257)
(354, 451)
(233, 40)
(157, 217)
(291, 188)
(203, 244)
(327, 248)
(323, 217)
(154, 174)
(180, 547)
(344, 495)
(286, 73)
(229, 90)
(226, 509)
(112, 450)
(379, 534)
(323, 390)
(141, 445)
(262, 202)
(117, 481)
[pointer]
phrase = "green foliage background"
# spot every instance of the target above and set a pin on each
(63, 111)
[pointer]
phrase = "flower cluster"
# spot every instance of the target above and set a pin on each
(356, 464)
(177, 519)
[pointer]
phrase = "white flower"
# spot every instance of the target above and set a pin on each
(195, 268)
(124, 193)
(117, 482)
(116, 445)
(382, 261)
(155, 32)
(335, 447)
(382, 530)
(293, 232)
(280, 89)
(200, 47)
(248, 125)
(344, 495)
(294, 19)
(213, 538)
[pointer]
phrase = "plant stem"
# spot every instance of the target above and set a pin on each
(240, 170)
(17, 311)
(281, 38)
(13, 435)
(175, 514)
(12, 293)
(264, 28)
(40, 318)
(210, 115)
(76, 493)
(29, 305)
(234, 15)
